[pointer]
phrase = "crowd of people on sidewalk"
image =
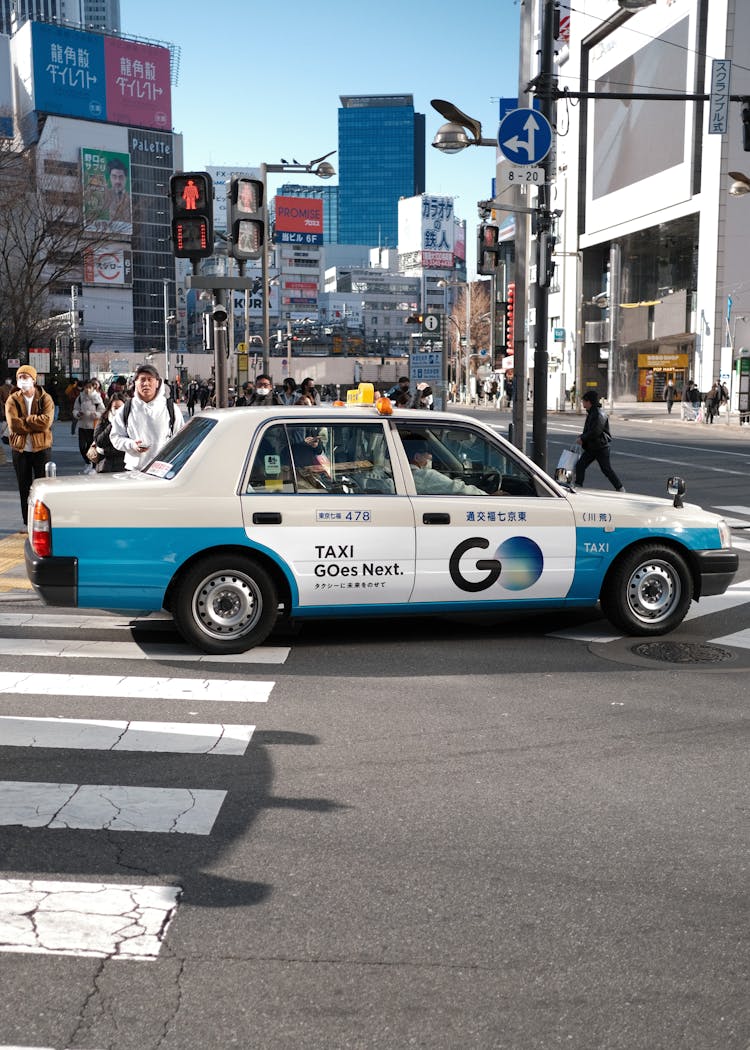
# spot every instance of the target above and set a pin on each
(698, 407)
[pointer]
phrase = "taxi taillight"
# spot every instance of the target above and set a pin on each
(41, 532)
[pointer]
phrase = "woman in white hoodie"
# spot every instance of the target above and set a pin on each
(147, 421)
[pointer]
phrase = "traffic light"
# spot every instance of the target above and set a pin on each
(245, 208)
(509, 310)
(488, 249)
(191, 195)
(545, 270)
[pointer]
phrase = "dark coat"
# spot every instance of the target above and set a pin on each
(595, 433)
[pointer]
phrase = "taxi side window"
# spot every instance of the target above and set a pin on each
(338, 459)
(271, 470)
(342, 459)
(466, 455)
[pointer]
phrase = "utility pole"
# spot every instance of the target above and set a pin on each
(546, 91)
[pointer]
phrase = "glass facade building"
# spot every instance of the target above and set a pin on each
(381, 158)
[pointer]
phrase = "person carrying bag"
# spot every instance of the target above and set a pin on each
(595, 441)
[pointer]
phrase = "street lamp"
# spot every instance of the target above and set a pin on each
(449, 140)
(741, 184)
(323, 170)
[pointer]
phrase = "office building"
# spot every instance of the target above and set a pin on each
(381, 158)
(98, 15)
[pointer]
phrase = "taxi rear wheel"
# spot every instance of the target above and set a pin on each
(648, 591)
(225, 604)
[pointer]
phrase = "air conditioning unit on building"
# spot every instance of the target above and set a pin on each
(596, 331)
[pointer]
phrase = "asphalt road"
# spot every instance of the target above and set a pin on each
(441, 834)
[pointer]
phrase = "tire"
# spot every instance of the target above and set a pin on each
(225, 604)
(648, 591)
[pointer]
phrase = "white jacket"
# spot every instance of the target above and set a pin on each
(148, 422)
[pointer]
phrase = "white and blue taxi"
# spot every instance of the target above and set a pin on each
(248, 514)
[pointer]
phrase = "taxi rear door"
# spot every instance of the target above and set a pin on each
(321, 500)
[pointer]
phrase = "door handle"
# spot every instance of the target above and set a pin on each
(266, 517)
(436, 519)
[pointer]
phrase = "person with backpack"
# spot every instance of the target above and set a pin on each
(145, 422)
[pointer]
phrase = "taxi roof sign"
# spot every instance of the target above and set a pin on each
(363, 395)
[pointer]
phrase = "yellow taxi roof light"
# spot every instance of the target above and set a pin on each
(363, 395)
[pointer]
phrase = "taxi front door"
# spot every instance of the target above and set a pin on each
(473, 548)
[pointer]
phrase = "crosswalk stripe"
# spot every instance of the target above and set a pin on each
(739, 640)
(217, 690)
(137, 651)
(182, 738)
(114, 807)
(89, 919)
(736, 594)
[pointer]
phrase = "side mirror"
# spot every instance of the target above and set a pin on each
(676, 487)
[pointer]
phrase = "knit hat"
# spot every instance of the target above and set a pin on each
(26, 370)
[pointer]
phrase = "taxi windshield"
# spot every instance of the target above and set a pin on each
(172, 457)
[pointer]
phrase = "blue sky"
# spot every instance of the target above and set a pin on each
(261, 81)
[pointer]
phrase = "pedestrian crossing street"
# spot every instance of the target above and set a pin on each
(130, 920)
(117, 920)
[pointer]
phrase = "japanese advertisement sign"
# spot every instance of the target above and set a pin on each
(106, 191)
(68, 72)
(138, 87)
(110, 265)
(299, 220)
(426, 224)
(78, 74)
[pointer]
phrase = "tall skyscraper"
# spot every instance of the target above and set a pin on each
(102, 15)
(381, 158)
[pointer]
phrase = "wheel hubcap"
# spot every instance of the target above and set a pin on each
(653, 591)
(227, 604)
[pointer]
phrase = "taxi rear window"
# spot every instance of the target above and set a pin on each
(172, 457)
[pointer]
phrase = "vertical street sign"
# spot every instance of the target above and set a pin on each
(718, 113)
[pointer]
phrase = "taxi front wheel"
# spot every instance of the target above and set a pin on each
(225, 604)
(648, 591)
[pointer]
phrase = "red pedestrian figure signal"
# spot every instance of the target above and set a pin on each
(191, 195)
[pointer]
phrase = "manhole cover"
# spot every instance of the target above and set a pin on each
(682, 652)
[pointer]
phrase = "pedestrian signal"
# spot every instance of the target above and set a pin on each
(246, 224)
(488, 249)
(192, 200)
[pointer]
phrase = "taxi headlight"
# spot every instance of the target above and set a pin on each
(725, 534)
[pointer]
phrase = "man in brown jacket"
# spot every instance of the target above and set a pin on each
(29, 413)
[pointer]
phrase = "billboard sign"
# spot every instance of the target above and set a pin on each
(299, 220)
(68, 72)
(137, 84)
(106, 191)
(110, 265)
(93, 77)
(426, 225)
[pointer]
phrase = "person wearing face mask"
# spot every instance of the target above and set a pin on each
(431, 482)
(29, 413)
(263, 395)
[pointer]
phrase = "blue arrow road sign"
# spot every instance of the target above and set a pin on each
(524, 137)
